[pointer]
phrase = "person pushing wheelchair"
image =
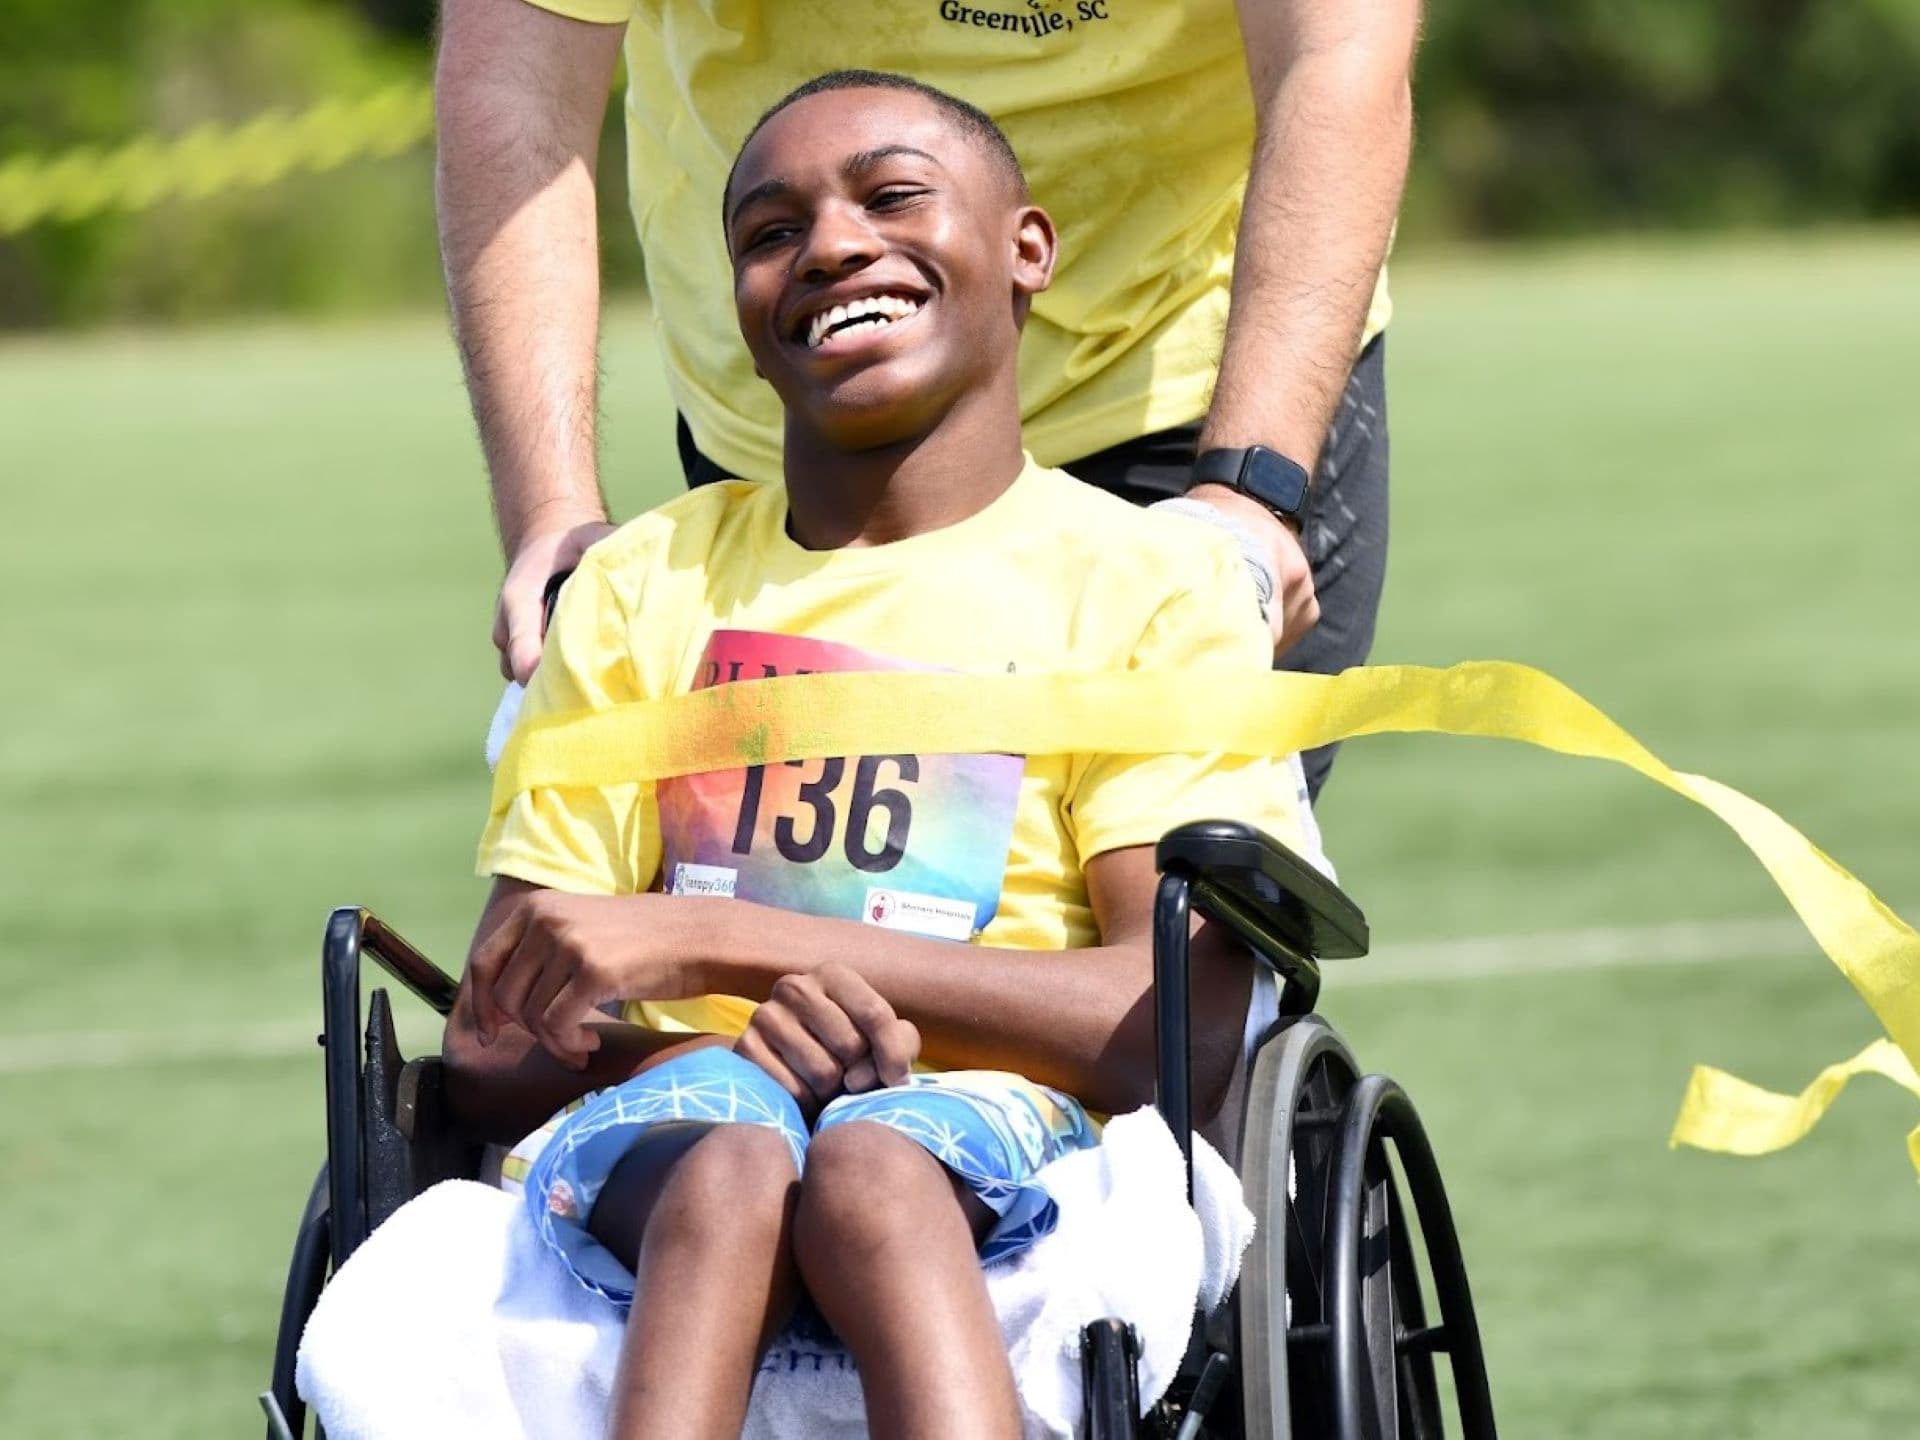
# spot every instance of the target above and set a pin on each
(784, 943)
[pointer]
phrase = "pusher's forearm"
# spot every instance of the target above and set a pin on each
(520, 94)
(1335, 126)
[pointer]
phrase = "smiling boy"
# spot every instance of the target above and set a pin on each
(785, 940)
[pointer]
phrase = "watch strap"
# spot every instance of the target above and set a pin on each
(1218, 467)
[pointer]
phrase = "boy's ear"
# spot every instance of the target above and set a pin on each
(1034, 248)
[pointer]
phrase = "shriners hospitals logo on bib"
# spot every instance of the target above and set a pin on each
(1038, 18)
(931, 915)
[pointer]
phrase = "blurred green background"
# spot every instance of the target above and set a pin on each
(1654, 430)
(1536, 119)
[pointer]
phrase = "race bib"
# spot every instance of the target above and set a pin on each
(906, 842)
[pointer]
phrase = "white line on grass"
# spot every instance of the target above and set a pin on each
(1436, 961)
(34, 1054)
(1601, 948)
(116, 1049)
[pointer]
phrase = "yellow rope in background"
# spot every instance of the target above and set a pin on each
(91, 179)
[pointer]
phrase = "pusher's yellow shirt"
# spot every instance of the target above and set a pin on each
(1133, 119)
(1054, 576)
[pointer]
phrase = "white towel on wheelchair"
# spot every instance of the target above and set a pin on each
(453, 1319)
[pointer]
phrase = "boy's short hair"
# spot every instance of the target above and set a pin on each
(970, 120)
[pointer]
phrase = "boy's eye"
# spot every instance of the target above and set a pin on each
(770, 235)
(894, 197)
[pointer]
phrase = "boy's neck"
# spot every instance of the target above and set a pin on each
(839, 499)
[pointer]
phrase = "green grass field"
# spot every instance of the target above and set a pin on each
(246, 578)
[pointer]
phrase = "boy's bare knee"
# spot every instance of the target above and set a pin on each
(725, 1185)
(734, 1174)
(866, 1187)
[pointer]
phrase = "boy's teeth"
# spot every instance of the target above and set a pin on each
(866, 313)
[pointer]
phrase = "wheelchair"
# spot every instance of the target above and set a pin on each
(1327, 1334)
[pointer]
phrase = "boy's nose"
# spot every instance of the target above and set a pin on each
(838, 243)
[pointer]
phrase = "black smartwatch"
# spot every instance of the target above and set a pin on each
(1266, 475)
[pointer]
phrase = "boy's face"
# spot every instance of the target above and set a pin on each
(882, 263)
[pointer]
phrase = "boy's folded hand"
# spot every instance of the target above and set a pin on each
(828, 1033)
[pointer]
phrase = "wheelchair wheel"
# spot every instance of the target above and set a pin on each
(1382, 1380)
(1304, 1069)
(1365, 1372)
(306, 1278)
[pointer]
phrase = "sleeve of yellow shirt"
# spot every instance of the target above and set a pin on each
(587, 841)
(1120, 800)
(599, 12)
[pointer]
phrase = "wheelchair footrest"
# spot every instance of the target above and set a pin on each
(277, 1426)
(1213, 1378)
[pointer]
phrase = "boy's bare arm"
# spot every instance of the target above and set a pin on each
(1080, 1020)
(507, 1087)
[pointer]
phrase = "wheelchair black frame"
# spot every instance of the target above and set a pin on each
(1289, 916)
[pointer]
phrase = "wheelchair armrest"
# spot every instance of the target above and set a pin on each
(1280, 907)
(393, 954)
(1294, 905)
(351, 933)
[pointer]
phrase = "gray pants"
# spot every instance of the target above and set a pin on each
(1345, 533)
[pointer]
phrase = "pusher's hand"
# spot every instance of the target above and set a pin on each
(557, 958)
(519, 619)
(828, 1033)
(1295, 608)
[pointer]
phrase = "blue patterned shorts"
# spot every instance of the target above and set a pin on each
(994, 1131)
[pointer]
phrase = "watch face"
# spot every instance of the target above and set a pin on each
(1275, 481)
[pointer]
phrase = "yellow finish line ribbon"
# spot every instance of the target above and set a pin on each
(1144, 712)
(1723, 1112)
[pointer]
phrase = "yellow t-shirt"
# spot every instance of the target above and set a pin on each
(1133, 119)
(1054, 576)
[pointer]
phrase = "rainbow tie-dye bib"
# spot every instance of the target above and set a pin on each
(906, 842)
